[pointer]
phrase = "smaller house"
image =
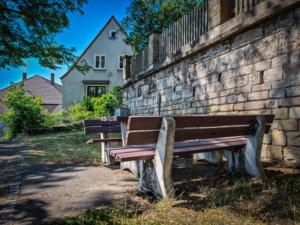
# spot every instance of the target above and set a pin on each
(37, 85)
(105, 54)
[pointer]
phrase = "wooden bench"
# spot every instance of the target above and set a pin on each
(103, 128)
(152, 142)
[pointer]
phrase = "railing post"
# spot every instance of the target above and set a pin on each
(153, 55)
(126, 67)
(219, 11)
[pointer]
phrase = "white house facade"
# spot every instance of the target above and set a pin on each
(104, 54)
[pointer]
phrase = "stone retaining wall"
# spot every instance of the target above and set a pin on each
(255, 69)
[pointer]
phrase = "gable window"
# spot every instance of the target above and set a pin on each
(100, 62)
(112, 34)
(95, 91)
(120, 62)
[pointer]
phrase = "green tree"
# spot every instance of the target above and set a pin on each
(143, 16)
(28, 29)
(25, 112)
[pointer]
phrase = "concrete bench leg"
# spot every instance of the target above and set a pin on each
(133, 166)
(248, 159)
(212, 157)
(155, 175)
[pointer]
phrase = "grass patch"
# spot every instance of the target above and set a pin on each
(61, 148)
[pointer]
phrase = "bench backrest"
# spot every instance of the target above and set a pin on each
(98, 126)
(145, 129)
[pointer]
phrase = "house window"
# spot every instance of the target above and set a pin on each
(120, 62)
(95, 91)
(100, 62)
(112, 34)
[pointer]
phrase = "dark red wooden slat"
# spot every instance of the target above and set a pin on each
(184, 134)
(136, 154)
(207, 148)
(218, 120)
(141, 137)
(124, 157)
(113, 152)
(144, 122)
(208, 141)
(95, 141)
(89, 123)
(104, 129)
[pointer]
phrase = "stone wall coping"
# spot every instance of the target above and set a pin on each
(234, 26)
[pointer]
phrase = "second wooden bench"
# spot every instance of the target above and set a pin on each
(152, 142)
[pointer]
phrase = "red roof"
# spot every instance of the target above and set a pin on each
(39, 86)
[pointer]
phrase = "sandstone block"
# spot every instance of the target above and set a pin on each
(224, 92)
(201, 110)
(255, 78)
(291, 154)
(226, 107)
(255, 105)
(293, 138)
(280, 61)
(243, 70)
(273, 74)
(275, 152)
(259, 95)
(292, 74)
(231, 99)
(278, 138)
(239, 107)
(272, 103)
(279, 84)
(262, 65)
(262, 87)
(219, 101)
(229, 83)
(212, 109)
(241, 81)
(295, 57)
(287, 125)
(242, 97)
(277, 93)
(240, 90)
(293, 91)
(289, 102)
(281, 113)
(267, 139)
(247, 37)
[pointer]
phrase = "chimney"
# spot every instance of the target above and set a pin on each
(52, 79)
(24, 76)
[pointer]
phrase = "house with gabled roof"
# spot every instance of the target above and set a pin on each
(37, 85)
(105, 54)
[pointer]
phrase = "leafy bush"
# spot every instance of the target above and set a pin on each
(25, 112)
(105, 105)
(79, 112)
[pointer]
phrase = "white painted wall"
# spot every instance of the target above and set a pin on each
(73, 87)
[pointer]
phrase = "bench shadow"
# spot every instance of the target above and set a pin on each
(51, 192)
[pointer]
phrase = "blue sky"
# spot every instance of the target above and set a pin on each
(82, 30)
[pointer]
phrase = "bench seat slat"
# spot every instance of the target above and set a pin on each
(149, 153)
(95, 141)
(129, 153)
